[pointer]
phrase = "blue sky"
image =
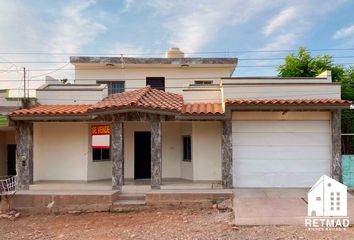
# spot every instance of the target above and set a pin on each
(152, 26)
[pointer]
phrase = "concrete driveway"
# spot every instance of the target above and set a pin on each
(275, 206)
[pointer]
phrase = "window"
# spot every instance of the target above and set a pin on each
(329, 185)
(187, 148)
(156, 82)
(318, 199)
(100, 154)
(115, 87)
(203, 82)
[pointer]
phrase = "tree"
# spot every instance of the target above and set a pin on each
(303, 64)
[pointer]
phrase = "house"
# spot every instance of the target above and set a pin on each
(180, 118)
(7, 133)
(327, 198)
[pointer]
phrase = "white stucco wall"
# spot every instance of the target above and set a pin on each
(60, 151)
(206, 151)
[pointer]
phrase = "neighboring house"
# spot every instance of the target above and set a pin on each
(180, 118)
(327, 198)
(7, 134)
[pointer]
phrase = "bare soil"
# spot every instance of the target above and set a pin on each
(157, 224)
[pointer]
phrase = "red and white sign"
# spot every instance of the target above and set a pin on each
(100, 136)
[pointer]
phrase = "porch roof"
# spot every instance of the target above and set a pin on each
(140, 99)
(146, 98)
(149, 99)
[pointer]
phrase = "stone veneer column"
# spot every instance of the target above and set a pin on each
(336, 164)
(156, 153)
(24, 154)
(226, 154)
(117, 153)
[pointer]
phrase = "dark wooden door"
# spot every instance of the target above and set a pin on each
(11, 159)
(142, 155)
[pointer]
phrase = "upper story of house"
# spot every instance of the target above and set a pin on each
(196, 79)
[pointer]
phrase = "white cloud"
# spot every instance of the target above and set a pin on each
(281, 20)
(193, 24)
(67, 29)
(127, 49)
(72, 30)
(344, 32)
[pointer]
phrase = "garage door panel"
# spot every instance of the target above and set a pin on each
(262, 166)
(281, 126)
(281, 152)
(280, 139)
(277, 180)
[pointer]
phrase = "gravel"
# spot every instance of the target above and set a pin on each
(158, 224)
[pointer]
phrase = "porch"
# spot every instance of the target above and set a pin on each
(130, 187)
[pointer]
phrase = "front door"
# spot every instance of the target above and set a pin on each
(11, 159)
(142, 155)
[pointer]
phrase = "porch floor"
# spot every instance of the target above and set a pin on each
(131, 186)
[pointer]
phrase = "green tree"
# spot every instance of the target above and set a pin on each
(303, 64)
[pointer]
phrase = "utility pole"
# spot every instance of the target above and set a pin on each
(24, 83)
(26, 103)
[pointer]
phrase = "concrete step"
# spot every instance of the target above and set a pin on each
(129, 202)
(131, 196)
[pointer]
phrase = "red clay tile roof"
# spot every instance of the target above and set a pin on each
(287, 102)
(203, 108)
(146, 98)
(57, 109)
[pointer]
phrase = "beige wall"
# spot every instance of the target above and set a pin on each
(264, 116)
(175, 78)
(195, 95)
(290, 91)
(186, 167)
(206, 151)
(60, 151)
(70, 97)
(97, 170)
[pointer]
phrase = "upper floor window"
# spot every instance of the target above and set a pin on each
(203, 82)
(114, 87)
(156, 82)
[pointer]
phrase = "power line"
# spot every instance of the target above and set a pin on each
(101, 68)
(240, 59)
(160, 53)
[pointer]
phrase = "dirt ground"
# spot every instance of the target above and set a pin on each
(158, 224)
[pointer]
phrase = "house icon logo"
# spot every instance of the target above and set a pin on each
(327, 198)
(327, 205)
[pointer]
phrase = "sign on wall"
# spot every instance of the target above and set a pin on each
(100, 136)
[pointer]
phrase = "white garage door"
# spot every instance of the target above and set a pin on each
(280, 153)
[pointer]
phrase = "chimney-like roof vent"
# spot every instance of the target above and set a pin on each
(174, 53)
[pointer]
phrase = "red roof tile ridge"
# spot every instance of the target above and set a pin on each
(287, 101)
